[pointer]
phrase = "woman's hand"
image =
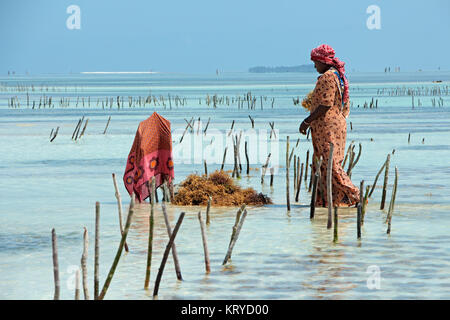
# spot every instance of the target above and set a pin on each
(303, 127)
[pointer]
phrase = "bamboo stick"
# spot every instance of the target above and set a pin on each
(391, 205)
(330, 186)
(174, 248)
(151, 191)
(119, 250)
(84, 263)
(96, 250)
(205, 243)
(386, 175)
(235, 236)
(166, 254)
(119, 204)
(55, 265)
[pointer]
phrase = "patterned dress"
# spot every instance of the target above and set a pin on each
(331, 127)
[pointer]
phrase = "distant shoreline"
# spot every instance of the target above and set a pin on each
(119, 72)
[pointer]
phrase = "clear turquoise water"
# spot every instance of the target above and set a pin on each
(279, 255)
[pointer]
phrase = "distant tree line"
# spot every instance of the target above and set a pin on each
(301, 68)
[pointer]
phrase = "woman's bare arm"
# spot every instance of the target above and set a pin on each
(319, 112)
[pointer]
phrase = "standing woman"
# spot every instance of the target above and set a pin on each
(329, 108)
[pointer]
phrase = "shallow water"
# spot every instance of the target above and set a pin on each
(278, 255)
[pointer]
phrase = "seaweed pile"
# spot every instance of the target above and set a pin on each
(196, 190)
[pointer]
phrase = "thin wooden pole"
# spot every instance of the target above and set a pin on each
(119, 250)
(119, 204)
(264, 168)
(223, 160)
(166, 253)
(151, 191)
(205, 243)
(314, 195)
(391, 205)
(84, 263)
(107, 124)
(271, 176)
(299, 183)
(359, 210)
(306, 166)
(295, 174)
(364, 204)
(206, 167)
(77, 284)
(246, 157)
(376, 179)
(330, 186)
(288, 204)
(208, 208)
(235, 236)
(386, 175)
(96, 250)
(174, 248)
(335, 233)
(55, 265)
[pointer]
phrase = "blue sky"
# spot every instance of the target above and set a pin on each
(193, 36)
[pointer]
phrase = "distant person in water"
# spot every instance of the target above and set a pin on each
(329, 108)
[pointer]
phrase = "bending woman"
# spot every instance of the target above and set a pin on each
(327, 120)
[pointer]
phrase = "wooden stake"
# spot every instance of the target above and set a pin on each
(84, 263)
(174, 248)
(208, 220)
(236, 230)
(119, 250)
(314, 195)
(166, 254)
(77, 284)
(376, 179)
(386, 175)
(107, 124)
(391, 205)
(330, 185)
(246, 157)
(264, 168)
(335, 233)
(299, 183)
(271, 176)
(55, 265)
(151, 191)
(96, 250)
(223, 160)
(205, 243)
(288, 204)
(119, 204)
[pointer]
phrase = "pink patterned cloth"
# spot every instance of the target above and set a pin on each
(150, 156)
(324, 53)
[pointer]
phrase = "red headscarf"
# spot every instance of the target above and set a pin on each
(324, 53)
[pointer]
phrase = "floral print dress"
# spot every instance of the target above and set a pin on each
(331, 127)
